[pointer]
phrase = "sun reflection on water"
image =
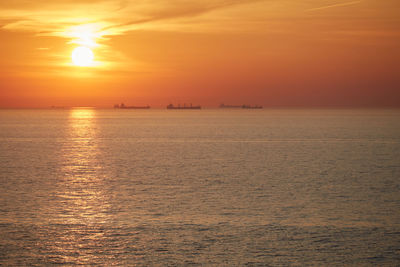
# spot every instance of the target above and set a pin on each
(82, 201)
(84, 198)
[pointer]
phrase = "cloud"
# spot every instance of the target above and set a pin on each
(92, 22)
(181, 9)
(115, 17)
(335, 5)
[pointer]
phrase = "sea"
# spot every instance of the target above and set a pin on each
(210, 187)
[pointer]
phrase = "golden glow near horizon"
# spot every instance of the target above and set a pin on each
(285, 52)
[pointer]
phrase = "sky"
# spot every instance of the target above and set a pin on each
(275, 53)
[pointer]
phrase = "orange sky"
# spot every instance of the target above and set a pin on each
(271, 53)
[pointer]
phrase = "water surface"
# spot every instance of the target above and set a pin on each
(216, 187)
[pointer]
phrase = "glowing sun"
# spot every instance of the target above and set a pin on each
(82, 56)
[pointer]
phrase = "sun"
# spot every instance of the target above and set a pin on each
(82, 56)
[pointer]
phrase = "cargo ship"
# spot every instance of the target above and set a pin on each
(251, 107)
(122, 106)
(230, 106)
(170, 106)
(240, 106)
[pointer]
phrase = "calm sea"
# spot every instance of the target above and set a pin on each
(200, 187)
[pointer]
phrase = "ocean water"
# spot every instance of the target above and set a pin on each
(200, 187)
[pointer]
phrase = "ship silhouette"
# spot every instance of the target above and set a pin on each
(122, 106)
(240, 106)
(171, 106)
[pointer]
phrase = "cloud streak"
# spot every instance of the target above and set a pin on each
(92, 23)
(334, 5)
(115, 17)
(185, 11)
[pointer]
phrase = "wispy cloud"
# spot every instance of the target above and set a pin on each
(115, 17)
(334, 5)
(92, 23)
(182, 10)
